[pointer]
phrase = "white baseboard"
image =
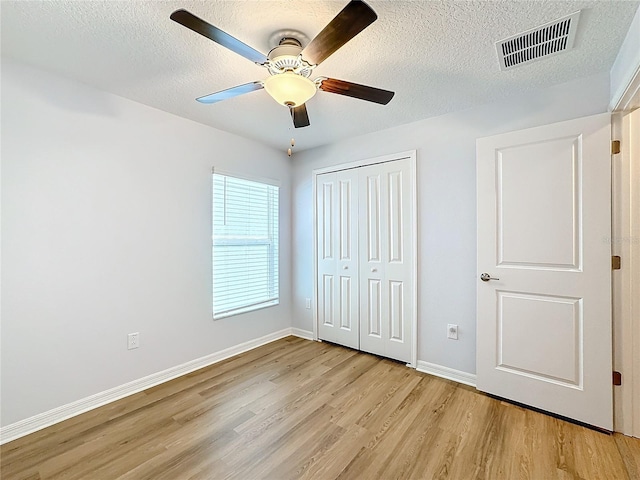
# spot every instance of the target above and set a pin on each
(58, 414)
(446, 372)
(298, 332)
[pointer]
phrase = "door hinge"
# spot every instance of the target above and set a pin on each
(617, 378)
(615, 262)
(615, 147)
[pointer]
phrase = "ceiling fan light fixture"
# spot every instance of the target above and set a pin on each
(290, 89)
(290, 65)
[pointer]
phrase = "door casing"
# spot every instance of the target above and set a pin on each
(625, 242)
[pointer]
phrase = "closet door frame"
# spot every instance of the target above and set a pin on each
(411, 156)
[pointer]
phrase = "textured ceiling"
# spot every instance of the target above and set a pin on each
(438, 56)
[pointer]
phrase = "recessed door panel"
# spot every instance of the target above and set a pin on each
(374, 309)
(346, 320)
(540, 336)
(373, 217)
(396, 311)
(539, 204)
(346, 218)
(327, 299)
(327, 220)
(396, 214)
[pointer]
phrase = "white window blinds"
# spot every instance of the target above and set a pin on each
(245, 245)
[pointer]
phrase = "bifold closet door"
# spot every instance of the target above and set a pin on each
(386, 259)
(365, 251)
(337, 247)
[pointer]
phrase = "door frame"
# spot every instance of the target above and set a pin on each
(626, 309)
(411, 156)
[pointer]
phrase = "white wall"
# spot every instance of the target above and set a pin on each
(627, 63)
(446, 205)
(106, 230)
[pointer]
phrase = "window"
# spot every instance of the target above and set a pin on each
(245, 245)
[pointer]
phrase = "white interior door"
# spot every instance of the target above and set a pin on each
(386, 260)
(544, 318)
(337, 250)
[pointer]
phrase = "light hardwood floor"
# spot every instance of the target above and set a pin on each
(301, 409)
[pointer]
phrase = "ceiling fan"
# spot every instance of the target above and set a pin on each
(290, 65)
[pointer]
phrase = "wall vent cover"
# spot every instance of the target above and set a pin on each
(538, 43)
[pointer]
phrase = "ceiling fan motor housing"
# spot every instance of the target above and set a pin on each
(286, 58)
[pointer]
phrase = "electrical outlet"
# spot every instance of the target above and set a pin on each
(307, 303)
(133, 340)
(452, 331)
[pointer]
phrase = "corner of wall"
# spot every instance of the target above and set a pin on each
(625, 72)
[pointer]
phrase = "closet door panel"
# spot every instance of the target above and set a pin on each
(385, 217)
(399, 259)
(373, 298)
(337, 253)
(325, 197)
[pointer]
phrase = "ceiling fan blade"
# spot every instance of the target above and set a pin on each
(353, 18)
(231, 92)
(205, 29)
(355, 90)
(300, 116)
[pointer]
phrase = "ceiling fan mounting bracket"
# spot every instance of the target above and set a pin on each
(277, 37)
(290, 41)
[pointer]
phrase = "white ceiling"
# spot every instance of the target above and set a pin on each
(438, 56)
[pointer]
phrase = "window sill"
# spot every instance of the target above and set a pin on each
(251, 308)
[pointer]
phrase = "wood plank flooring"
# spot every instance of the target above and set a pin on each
(295, 409)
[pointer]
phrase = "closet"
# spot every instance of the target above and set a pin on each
(365, 256)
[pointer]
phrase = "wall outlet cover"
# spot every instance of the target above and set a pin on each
(452, 331)
(133, 340)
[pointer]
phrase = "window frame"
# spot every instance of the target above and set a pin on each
(260, 305)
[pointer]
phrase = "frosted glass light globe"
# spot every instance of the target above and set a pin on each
(290, 89)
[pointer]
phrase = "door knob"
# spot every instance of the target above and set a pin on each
(374, 269)
(346, 267)
(485, 277)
